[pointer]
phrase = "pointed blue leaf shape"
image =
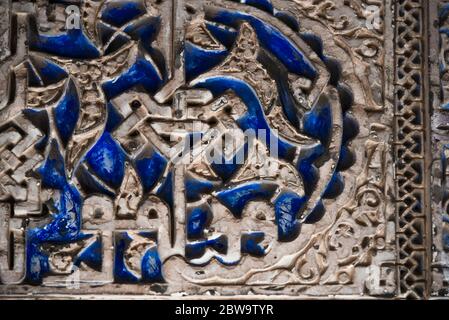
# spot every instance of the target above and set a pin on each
(66, 112)
(44, 72)
(72, 44)
(271, 39)
(107, 160)
(224, 35)
(52, 171)
(150, 169)
(114, 118)
(198, 60)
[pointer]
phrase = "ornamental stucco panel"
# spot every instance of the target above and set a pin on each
(170, 148)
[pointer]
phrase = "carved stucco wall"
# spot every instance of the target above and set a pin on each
(94, 199)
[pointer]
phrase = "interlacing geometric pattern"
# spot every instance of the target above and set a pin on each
(172, 148)
(410, 148)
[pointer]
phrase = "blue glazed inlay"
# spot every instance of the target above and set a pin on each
(114, 118)
(197, 249)
(150, 264)
(107, 160)
(196, 187)
(254, 119)
(271, 39)
(198, 60)
(66, 224)
(39, 118)
(227, 168)
(287, 205)
(44, 72)
(150, 169)
(92, 256)
(118, 13)
(66, 113)
(250, 244)
(226, 36)
(142, 73)
(72, 44)
(197, 220)
(236, 198)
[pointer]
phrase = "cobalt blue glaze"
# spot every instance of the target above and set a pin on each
(347, 159)
(288, 19)
(114, 118)
(227, 168)
(119, 13)
(197, 249)
(306, 167)
(145, 29)
(236, 198)
(73, 44)
(288, 103)
(66, 113)
(254, 119)
(150, 169)
(151, 266)
(44, 71)
(119, 41)
(39, 118)
(165, 191)
(334, 187)
(198, 60)
(90, 184)
(250, 244)
(121, 272)
(142, 73)
(196, 187)
(286, 207)
(92, 256)
(105, 32)
(66, 224)
(197, 220)
(271, 39)
(350, 128)
(226, 36)
(107, 160)
(316, 214)
(318, 122)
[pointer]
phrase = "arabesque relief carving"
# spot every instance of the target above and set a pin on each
(172, 148)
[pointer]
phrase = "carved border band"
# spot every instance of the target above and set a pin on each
(411, 149)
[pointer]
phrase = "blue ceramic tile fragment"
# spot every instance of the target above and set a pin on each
(66, 112)
(107, 160)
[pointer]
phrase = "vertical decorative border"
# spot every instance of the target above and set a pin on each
(411, 149)
(439, 73)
